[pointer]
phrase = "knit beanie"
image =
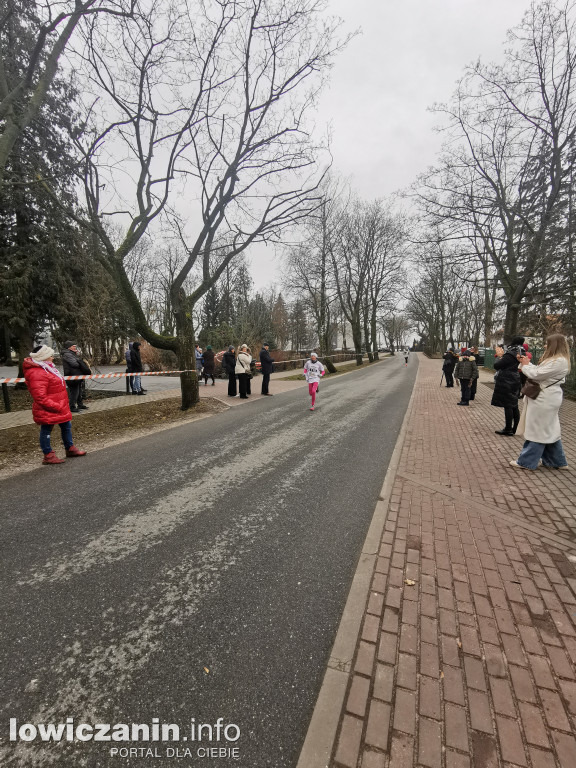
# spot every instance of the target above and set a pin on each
(313, 354)
(42, 353)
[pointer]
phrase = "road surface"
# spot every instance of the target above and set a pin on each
(196, 574)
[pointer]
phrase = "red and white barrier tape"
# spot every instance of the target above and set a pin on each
(147, 373)
(102, 376)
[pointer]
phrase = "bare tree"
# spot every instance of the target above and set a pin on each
(502, 174)
(310, 271)
(367, 268)
(229, 136)
(51, 24)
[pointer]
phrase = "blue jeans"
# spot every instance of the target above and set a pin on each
(552, 455)
(46, 429)
(136, 385)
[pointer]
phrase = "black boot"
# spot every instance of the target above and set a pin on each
(507, 432)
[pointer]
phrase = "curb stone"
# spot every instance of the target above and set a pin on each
(320, 739)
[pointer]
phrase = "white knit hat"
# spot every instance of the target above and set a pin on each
(43, 353)
(313, 354)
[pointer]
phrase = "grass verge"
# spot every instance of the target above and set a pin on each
(19, 445)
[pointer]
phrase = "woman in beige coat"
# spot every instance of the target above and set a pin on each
(242, 370)
(540, 423)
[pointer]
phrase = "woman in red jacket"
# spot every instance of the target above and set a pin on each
(48, 389)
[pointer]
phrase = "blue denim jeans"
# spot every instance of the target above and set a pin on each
(45, 431)
(136, 385)
(552, 455)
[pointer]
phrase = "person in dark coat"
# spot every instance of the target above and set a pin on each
(267, 367)
(208, 365)
(129, 379)
(74, 366)
(450, 360)
(466, 371)
(507, 384)
(473, 351)
(229, 365)
(136, 367)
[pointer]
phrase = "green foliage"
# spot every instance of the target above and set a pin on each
(40, 249)
(220, 337)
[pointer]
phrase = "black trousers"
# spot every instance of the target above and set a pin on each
(265, 383)
(232, 388)
(473, 388)
(512, 416)
(449, 374)
(208, 376)
(75, 393)
(465, 390)
(243, 385)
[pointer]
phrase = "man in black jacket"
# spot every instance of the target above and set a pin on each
(74, 366)
(267, 364)
(136, 367)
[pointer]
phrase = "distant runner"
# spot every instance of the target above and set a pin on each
(406, 356)
(313, 370)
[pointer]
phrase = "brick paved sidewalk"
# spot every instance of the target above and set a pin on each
(474, 664)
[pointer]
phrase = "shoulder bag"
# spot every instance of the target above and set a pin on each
(532, 388)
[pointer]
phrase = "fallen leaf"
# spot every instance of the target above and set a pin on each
(459, 642)
(206, 670)
(441, 675)
(410, 582)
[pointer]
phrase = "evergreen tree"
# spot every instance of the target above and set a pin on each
(40, 249)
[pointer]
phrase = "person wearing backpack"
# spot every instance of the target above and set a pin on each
(313, 371)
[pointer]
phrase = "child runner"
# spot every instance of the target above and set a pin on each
(313, 370)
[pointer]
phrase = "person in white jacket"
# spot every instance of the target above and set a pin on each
(243, 371)
(540, 423)
(313, 371)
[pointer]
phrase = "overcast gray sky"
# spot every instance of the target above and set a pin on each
(409, 55)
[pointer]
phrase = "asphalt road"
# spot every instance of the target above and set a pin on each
(199, 573)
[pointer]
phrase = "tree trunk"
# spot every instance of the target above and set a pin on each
(367, 337)
(374, 335)
(357, 341)
(511, 321)
(186, 360)
(25, 346)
